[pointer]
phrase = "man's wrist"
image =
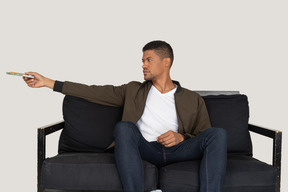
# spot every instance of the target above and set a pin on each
(182, 137)
(185, 136)
(49, 83)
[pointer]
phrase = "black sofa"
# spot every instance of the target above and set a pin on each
(83, 164)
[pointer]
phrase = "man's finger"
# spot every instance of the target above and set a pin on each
(163, 138)
(168, 141)
(36, 75)
(164, 135)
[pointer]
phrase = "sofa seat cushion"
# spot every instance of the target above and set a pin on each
(89, 171)
(244, 174)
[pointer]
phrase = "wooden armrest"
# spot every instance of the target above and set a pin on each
(51, 128)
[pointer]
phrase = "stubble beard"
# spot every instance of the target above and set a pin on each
(149, 77)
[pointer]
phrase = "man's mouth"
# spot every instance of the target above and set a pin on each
(145, 72)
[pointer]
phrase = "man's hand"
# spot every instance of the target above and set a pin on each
(38, 81)
(170, 138)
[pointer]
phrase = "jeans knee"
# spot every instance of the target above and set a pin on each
(221, 132)
(123, 129)
(218, 135)
(221, 135)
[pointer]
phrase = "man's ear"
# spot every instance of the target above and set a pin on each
(167, 62)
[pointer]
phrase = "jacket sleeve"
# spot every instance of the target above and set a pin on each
(202, 120)
(106, 95)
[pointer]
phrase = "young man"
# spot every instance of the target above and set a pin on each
(162, 122)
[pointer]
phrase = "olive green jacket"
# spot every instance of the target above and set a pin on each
(191, 110)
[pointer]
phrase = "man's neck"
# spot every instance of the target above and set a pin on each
(164, 86)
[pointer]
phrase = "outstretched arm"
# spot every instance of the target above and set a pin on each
(105, 95)
(38, 81)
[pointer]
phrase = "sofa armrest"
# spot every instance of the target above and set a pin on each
(41, 151)
(277, 145)
(51, 128)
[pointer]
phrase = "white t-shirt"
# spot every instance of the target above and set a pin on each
(159, 115)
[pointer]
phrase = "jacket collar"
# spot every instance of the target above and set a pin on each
(179, 88)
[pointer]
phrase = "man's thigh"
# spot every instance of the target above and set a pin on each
(152, 152)
(189, 149)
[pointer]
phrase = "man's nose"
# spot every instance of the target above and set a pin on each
(144, 65)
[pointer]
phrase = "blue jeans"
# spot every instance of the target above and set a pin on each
(130, 148)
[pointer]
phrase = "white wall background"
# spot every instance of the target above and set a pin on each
(219, 45)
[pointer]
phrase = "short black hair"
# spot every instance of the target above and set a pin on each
(162, 49)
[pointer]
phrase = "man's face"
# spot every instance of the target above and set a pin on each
(153, 66)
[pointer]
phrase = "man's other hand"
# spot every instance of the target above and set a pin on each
(38, 81)
(170, 138)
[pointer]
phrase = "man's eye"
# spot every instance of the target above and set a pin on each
(149, 60)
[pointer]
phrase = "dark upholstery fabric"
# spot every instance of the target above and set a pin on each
(88, 126)
(231, 112)
(89, 171)
(244, 174)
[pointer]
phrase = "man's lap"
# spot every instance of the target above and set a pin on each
(154, 152)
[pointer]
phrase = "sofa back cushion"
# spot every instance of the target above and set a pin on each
(88, 126)
(231, 112)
